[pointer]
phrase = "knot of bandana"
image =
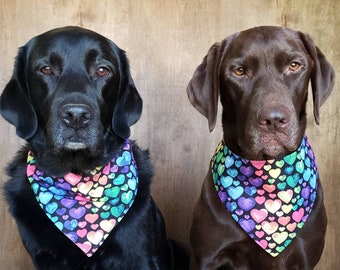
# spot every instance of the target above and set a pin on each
(269, 199)
(86, 208)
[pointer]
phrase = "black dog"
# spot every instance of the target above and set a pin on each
(73, 100)
(261, 76)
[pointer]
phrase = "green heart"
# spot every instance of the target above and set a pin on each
(297, 189)
(111, 176)
(94, 209)
(271, 181)
(220, 169)
(219, 156)
(280, 163)
(280, 249)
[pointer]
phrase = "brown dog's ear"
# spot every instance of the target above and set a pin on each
(322, 75)
(203, 89)
(15, 105)
(128, 108)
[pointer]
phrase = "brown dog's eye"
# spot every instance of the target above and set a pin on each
(294, 66)
(102, 72)
(240, 71)
(46, 70)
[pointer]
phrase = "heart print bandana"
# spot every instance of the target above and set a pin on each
(86, 208)
(269, 199)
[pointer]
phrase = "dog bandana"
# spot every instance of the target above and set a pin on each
(269, 199)
(86, 208)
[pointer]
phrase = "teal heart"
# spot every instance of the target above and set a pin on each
(104, 215)
(235, 192)
(290, 159)
(112, 192)
(132, 183)
(299, 166)
(232, 172)
(116, 211)
(120, 179)
(126, 197)
(226, 181)
(59, 225)
(292, 181)
(281, 186)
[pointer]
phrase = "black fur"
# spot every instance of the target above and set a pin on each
(53, 71)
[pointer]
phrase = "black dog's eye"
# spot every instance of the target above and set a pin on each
(240, 71)
(102, 72)
(46, 70)
(294, 66)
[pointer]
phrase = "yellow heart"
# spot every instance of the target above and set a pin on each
(273, 205)
(97, 193)
(95, 237)
(84, 188)
(107, 225)
(275, 173)
(269, 227)
(280, 237)
(287, 208)
(285, 196)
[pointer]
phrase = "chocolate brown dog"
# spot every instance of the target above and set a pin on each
(251, 217)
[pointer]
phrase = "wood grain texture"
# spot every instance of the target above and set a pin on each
(165, 41)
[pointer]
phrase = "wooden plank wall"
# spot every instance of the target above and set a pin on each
(165, 41)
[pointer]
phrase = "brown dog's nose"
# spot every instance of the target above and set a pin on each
(274, 118)
(75, 115)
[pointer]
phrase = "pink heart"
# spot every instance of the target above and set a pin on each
(30, 169)
(258, 164)
(91, 217)
(72, 178)
(82, 233)
(259, 234)
(82, 224)
(258, 215)
(284, 220)
(263, 243)
(260, 199)
(297, 215)
(85, 247)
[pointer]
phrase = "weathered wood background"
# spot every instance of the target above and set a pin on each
(165, 41)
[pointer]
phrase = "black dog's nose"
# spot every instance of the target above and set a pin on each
(274, 118)
(75, 115)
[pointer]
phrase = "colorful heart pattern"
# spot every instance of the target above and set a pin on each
(270, 199)
(86, 208)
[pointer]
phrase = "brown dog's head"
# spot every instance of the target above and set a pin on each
(261, 76)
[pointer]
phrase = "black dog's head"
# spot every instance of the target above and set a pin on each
(262, 76)
(70, 91)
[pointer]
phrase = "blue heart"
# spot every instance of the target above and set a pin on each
(45, 197)
(232, 172)
(229, 161)
(124, 160)
(51, 207)
(71, 224)
(132, 183)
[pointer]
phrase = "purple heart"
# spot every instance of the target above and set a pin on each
(247, 171)
(231, 206)
(222, 195)
(247, 225)
(68, 203)
(246, 203)
(61, 211)
(72, 236)
(255, 181)
(77, 212)
(239, 212)
(63, 185)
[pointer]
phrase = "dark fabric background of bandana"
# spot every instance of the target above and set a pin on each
(87, 208)
(271, 200)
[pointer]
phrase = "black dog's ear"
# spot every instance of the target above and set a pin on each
(204, 87)
(15, 105)
(322, 75)
(128, 108)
